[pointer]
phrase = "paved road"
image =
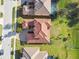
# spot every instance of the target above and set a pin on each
(6, 42)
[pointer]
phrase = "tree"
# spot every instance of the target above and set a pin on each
(19, 20)
(19, 24)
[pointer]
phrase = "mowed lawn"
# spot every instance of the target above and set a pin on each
(75, 38)
(73, 54)
(62, 3)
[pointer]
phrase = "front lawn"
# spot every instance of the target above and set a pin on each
(13, 18)
(1, 2)
(1, 14)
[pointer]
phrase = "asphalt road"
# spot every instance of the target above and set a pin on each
(7, 20)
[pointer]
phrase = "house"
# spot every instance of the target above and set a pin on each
(33, 53)
(37, 7)
(38, 30)
(28, 7)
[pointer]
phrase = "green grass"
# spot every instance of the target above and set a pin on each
(62, 3)
(1, 14)
(75, 37)
(1, 2)
(12, 46)
(60, 27)
(73, 54)
(13, 18)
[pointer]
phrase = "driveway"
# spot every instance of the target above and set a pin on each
(22, 36)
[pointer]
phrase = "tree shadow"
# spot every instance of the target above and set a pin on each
(19, 12)
(18, 54)
(72, 5)
(73, 17)
(8, 26)
(54, 9)
(73, 22)
(71, 11)
(10, 33)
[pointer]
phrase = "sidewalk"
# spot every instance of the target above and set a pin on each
(1, 21)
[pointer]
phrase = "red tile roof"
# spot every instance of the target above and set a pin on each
(41, 31)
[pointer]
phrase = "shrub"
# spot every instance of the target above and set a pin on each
(18, 29)
(19, 20)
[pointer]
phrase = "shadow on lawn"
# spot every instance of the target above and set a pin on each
(18, 54)
(71, 11)
(54, 9)
(73, 14)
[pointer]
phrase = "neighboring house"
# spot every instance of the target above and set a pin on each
(33, 53)
(28, 7)
(38, 30)
(37, 7)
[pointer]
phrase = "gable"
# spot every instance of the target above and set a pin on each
(42, 11)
